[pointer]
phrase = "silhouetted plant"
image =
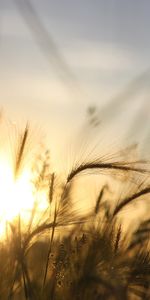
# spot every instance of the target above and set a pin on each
(63, 254)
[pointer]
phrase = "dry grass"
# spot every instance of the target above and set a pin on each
(67, 255)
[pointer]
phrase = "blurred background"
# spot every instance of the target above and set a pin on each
(75, 67)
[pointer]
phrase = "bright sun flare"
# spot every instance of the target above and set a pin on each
(16, 196)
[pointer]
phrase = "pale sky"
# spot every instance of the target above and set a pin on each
(105, 45)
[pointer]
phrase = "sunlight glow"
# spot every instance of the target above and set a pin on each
(16, 196)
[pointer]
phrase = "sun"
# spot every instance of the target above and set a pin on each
(16, 196)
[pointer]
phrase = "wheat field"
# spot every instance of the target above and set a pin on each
(57, 252)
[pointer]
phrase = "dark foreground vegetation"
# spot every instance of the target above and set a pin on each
(63, 254)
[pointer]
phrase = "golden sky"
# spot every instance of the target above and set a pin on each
(101, 46)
